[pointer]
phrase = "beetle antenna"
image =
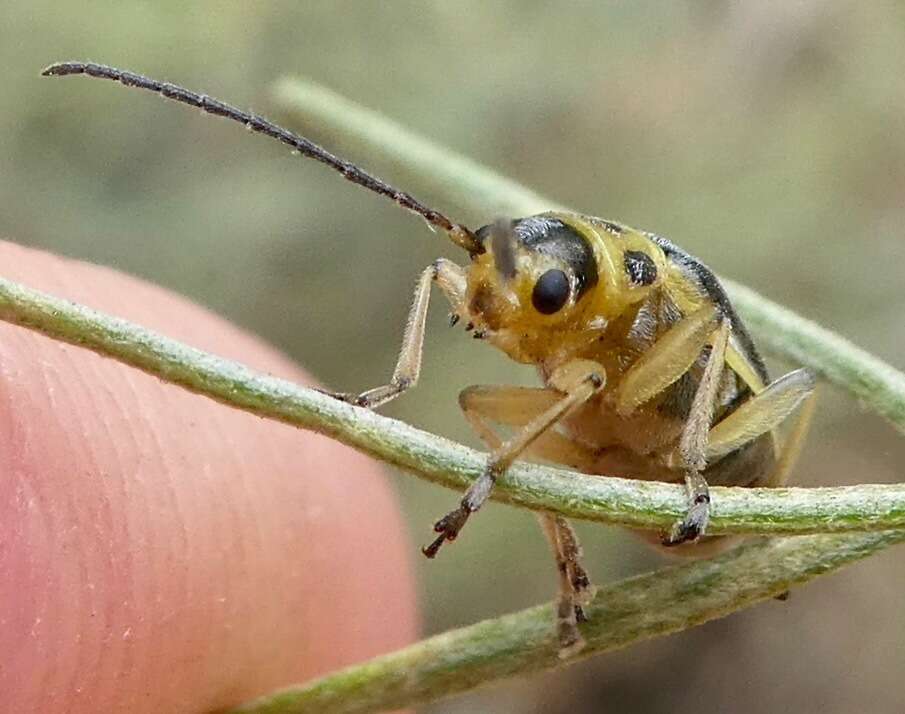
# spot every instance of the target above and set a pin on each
(459, 234)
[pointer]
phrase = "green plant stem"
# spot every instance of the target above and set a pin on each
(477, 188)
(624, 613)
(625, 502)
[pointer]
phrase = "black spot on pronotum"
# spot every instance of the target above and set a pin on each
(640, 267)
(551, 291)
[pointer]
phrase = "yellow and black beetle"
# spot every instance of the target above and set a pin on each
(648, 371)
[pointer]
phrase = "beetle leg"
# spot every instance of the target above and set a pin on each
(693, 443)
(517, 406)
(760, 414)
(575, 589)
(671, 356)
(508, 406)
(580, 381)
(451, 279)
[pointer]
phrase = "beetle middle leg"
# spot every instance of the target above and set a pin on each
(694, 440)
(669, 358)
(762, 413)
(578, 381)
(451, 280)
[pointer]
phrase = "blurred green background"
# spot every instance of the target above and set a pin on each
(767, 138)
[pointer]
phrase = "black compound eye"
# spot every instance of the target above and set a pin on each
(551, 292)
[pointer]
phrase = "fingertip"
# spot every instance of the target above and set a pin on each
(166, 553)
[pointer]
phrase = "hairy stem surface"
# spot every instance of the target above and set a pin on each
(624, 613)
(625, 502)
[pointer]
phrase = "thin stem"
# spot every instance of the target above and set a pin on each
(624, 613)
(477, 188)
(625, 502)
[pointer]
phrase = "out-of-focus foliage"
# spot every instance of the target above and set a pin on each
(767, 138)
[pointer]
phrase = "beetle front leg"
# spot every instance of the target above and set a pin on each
(516, 407)
(579, 380)
(451, 279)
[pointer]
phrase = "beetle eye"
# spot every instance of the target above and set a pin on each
(551, 292)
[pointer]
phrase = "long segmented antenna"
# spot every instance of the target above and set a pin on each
(459, 234)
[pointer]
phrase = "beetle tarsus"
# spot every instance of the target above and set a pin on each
(353, 398)
(568, 616)
(430, 551)
(448, 527)
(693, 525)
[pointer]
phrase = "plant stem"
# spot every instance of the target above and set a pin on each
(627, 502)
(624, 613)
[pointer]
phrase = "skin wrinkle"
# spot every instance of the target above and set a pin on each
(115, 655)
(86, 429)
(243, 548)
(85, 666)
(237, 543)
(92, 423)
(129, 628)
(143, 494)
(170, 565)
(264, 531)
(177, 533)
(50, 622)
(230, 540)
(24, 615)
(89, 667)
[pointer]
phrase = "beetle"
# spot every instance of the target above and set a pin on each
(647, 370)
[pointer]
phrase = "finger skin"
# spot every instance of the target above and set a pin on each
(161, 552)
